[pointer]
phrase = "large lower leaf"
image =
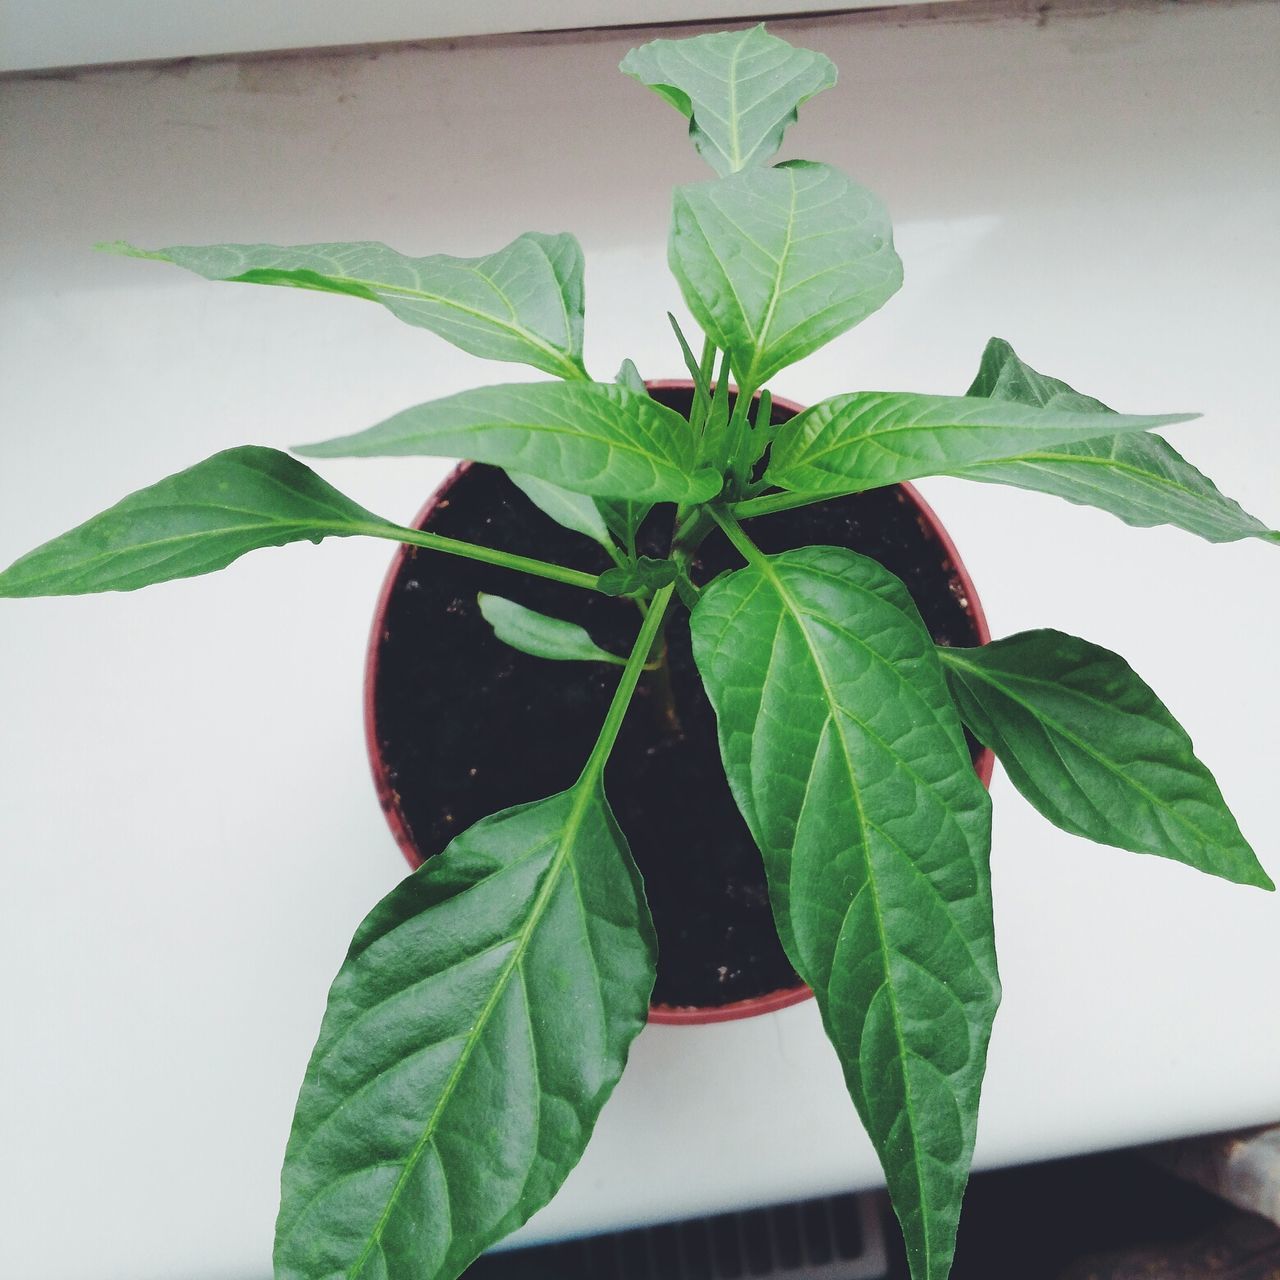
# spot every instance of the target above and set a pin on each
(865, 439)
(480, 1021)
(1093, 748)
(739, 90)
(523, 303)
(191, 523)
(1140, 478)
(592, 437)
(847, 759)
(774, 263)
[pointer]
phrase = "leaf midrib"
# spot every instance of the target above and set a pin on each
(568, 835)
(874, 435)
(514, 329)
(789, 603)
(323, 527)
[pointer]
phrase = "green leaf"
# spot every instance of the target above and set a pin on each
(479, 1023)
(847, 759)
(640, 578)
(540, 635)
(523, 303)
(1096, 752)
(624, 517)
(629, 376)
(740, 90)
(1140, 478)
(774, 263)
(592, 437)
(193, 522)
(870, 438)
(571, 510)
(701, 388)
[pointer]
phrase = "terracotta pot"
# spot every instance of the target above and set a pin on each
(389, 800)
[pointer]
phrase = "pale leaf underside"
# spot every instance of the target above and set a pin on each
(1141, 478)
(523, 303)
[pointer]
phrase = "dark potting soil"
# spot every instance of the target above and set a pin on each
(468, 726)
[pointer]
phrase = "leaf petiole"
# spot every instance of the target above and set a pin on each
(737, 536)
(486, 555)
(622, 695)
(780, 500)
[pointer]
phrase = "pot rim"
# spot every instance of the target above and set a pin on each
(388, 797)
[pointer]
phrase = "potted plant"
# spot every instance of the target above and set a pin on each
(486, 1006)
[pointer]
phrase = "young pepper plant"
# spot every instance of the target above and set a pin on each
(487, 1004)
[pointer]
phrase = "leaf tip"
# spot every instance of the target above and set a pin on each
(123, 249)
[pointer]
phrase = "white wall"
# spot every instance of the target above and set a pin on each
(187, 828)
(72, 33)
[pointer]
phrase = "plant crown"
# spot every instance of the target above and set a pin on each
(487, 1004)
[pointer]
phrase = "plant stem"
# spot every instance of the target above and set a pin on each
(734, 532)
(767, 503)
(486, 555)
(664, 690)
(622, 695)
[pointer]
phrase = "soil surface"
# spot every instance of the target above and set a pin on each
(468, 726)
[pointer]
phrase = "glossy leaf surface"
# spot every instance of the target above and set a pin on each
(739, 90)
(1096, 752)
(539, 634)
(847, 759)
(1140, 478)
(194, 522)
(774, 263)
(523, 303)
(576, 511)
(592, 437)
(478, 1024)
(870, 438)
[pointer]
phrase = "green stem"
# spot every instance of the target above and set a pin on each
(734, 532)
(627, 685)
(701, 403)
(486, 555)
(767, 503)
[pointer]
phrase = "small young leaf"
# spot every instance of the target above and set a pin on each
(640, 578)
(629, 376)
(740, 90)
(846, 757)
(540, 635)
(774, 263)
(870, 438)
(592, 437)
(1140, 478)
(701, 390)
(479, 1023)
(190, 523)
(624, 519)
(1096, 752)
(523, 303)
(576, 511)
